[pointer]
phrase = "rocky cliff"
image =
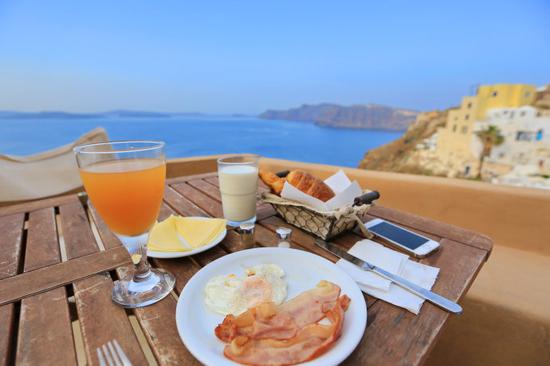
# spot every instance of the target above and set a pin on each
(403, 155)
(369, 116)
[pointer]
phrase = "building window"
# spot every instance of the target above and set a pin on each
(469, 105)
(512, 114)
(494, 94)
(540, 133)
(522, 113)
(464, 130)
(505, 112)
(501, 155)
(454, 128)
(467, 117)
(467, 170)
(527, 94)
(524, 136)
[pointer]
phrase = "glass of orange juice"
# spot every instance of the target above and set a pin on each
(125, 183)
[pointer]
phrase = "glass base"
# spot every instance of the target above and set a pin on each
(238, 223)
(136, 294)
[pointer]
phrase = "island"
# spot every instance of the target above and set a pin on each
(367, 116)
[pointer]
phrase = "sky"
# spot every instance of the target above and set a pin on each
(248, 56)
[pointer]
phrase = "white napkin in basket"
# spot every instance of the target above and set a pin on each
(393, 262)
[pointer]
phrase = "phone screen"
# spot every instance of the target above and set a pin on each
(398, 235)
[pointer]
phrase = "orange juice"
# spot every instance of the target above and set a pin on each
(126, 193)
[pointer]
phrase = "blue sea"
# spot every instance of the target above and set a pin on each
(194, 136)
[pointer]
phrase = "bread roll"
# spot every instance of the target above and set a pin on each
(310, 184)
(272, 181)
(305, 182)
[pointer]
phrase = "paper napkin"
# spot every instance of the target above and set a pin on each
(177, 234)
(394, 262)
(377, 255)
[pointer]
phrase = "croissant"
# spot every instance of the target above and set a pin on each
(305, 182)
(272, 181)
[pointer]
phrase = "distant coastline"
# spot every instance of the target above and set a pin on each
(358, 117)
(367, 116)
(108, 114)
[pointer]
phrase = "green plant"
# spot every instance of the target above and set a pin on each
(490, 137)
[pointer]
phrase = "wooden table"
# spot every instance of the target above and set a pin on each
(54, 327)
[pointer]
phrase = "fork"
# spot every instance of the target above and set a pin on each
(113, 353)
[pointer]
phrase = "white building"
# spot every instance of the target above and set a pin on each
(526, 137)
(429, 143)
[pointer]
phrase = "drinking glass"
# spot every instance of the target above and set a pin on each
(238, 177)
(125, 183)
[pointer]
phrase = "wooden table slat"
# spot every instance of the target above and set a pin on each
(159, 325)
(38, 204)
(63, 273)
(207, 188)
(11, 227)
(186, 178)
(100, 318)
(78, 237)
(44, 322)
(206, 203)
(181, 204)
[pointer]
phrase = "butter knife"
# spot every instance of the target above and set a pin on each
(432, 297)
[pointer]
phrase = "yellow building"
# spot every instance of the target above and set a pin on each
(457, 147)
(503, 96)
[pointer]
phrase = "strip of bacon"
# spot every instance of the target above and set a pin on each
(259, 322)
(283, 322)
(309, 343)
(310, 306)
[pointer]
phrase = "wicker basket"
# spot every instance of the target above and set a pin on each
(322, 224)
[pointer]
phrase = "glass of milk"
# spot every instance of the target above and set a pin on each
(238, 176)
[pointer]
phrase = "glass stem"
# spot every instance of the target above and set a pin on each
(137, 247)
(142, 267)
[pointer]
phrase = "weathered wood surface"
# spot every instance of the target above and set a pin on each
(11, 234)
(36, 205)
(393, 335)
(63, 273)
(44, 321)
(101, 320)
(158, 320)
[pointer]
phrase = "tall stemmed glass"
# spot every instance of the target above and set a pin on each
(125, 182)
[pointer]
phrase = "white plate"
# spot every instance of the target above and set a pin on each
(164, 255)
(303, 271)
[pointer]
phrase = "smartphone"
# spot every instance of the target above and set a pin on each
(409, 241)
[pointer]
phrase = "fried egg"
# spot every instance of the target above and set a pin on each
(231, 294)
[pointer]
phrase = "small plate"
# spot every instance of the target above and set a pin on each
(303, 270)
(166, 255)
